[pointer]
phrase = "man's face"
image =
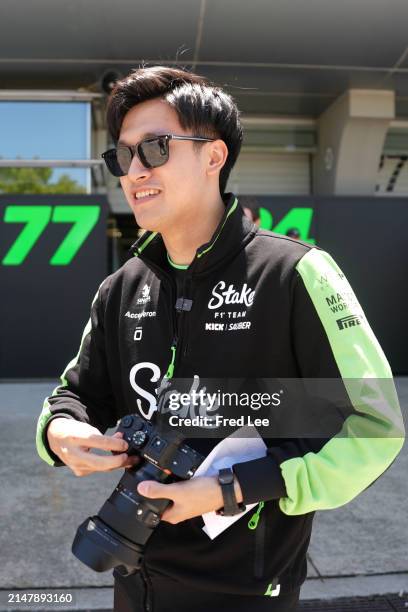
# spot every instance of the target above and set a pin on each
(181, 181)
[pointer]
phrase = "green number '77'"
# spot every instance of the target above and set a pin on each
(36, 219)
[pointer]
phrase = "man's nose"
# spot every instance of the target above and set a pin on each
(137, 170)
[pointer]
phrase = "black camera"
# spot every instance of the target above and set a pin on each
(117, 535)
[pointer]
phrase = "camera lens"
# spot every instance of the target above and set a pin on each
(118, 535)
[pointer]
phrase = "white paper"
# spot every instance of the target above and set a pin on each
(244, 444)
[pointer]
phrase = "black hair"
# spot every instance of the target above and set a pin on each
(201, 106)
(293, 232)
(253, 205)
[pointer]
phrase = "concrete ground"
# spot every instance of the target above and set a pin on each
(357, 550)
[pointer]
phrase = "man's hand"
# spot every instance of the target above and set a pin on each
(72, 441)
(190, 497)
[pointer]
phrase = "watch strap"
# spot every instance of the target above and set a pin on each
(231, 506)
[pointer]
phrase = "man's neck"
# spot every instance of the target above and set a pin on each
(183, 242)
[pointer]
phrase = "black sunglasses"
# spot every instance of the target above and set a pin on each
(152, 152)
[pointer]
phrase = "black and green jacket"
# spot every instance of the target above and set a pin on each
(280, 299)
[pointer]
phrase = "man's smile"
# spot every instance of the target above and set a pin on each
(144, 195)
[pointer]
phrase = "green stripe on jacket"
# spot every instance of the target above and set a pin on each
(369, 441)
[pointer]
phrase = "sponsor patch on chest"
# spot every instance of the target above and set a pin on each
(223, 296)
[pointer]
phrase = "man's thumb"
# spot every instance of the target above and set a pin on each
(153, 489)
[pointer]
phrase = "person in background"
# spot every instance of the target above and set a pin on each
(250, 207)
(293, 233)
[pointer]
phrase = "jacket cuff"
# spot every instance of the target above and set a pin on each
(260, 480)
(43, 447)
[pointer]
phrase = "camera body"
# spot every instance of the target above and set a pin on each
(164, 449)
(117, 535)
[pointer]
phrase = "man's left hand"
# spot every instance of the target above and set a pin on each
(189, 498)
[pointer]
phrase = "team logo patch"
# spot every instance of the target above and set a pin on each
(145, 295)
(222, 297)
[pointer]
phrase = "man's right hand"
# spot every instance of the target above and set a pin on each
(73, 440)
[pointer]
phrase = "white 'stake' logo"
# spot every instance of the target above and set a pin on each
(230, 295)
(142, 392)
(161, 401)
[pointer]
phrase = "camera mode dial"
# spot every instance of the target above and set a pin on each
(138, 438)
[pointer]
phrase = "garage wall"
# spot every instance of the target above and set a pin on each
(269, 172)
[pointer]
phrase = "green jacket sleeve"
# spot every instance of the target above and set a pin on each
(331, 336)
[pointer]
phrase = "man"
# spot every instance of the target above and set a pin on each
(207, 295)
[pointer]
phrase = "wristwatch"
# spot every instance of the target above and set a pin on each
(226, 481)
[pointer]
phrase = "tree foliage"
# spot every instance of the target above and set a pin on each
(36, 180)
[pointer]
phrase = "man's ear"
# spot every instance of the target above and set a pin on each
(217, 156)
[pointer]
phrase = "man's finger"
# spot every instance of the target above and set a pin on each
(108, 443)
(101, 463)
(170, 515)
(133, 460)
(155, 490)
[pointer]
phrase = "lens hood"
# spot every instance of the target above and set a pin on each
(101, 548)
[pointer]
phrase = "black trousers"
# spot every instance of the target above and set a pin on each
(160, 594)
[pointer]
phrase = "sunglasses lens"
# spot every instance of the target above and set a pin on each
(124, 159)
(111, 161)
(154, 153)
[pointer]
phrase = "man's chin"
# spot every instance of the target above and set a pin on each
(149, 225)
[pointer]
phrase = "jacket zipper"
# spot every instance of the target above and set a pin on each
(148, 594)
(186, 294)
(178, 320)
(173, 349)
(257, 522)
(174, 343)
(253, 521)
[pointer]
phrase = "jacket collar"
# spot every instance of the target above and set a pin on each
(232, 233)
